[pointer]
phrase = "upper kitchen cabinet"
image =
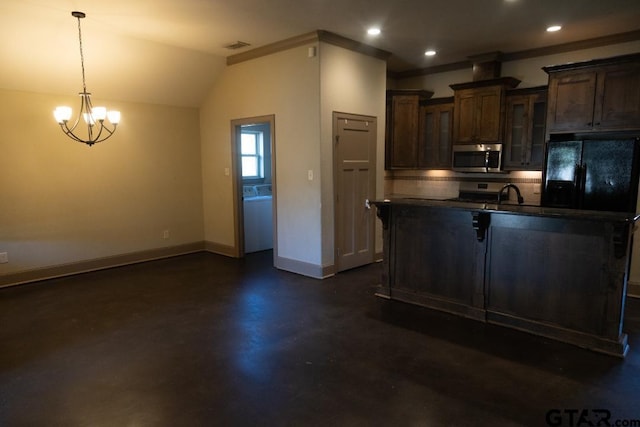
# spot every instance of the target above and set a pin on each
(436, 124)
(598, 95)
(479, 110)
(525, 129)
(402, 135)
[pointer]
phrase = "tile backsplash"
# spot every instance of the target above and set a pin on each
(446, 184)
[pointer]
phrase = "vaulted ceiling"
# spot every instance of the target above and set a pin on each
(169, 52)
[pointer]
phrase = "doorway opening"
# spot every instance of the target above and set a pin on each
(253, 151)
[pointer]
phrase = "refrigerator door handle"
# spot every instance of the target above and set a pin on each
(583, 184)
(577, 178)
(577, 184)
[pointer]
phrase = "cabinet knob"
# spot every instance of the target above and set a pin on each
(590, 124)
(597, 123)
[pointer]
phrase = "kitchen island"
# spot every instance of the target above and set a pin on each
(559, 273)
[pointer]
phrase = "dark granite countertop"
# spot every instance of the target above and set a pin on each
(513, 208)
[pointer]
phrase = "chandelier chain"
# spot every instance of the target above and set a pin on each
(84, 84)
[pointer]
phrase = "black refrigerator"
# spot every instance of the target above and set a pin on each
(592, 174)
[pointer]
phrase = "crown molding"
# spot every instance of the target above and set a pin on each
(308, 38)
(525, 54)
(365, 49)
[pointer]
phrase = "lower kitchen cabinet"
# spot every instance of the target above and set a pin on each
(427, 246)
(558, 278)
(559, 273)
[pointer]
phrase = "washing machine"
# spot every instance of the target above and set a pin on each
(258, 217)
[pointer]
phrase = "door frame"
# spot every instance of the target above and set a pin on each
(373, 159)
(236, 180)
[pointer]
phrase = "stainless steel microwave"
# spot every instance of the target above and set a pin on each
(477, 157)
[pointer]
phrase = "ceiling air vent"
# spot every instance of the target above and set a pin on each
(237, 45)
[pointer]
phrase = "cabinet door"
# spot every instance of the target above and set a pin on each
(404, 131)
(618, 98)
(524, 136)
(517, 125)
(535, 158)
(465, 116)
(478, 117)
(571, 101)
(434, 151)
(488, 116)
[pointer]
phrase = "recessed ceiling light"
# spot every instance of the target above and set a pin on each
(554, 28)
(373, 31)
(430, 53)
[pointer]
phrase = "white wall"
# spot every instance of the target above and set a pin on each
(64, 202)
(302, 92)
(286, 84)
(351, 83)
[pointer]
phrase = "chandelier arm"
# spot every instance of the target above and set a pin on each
(97, 137)
(82, 107)
(93, 140)
(109, 132)
(88, 107)
(75, 125)
(70, 134)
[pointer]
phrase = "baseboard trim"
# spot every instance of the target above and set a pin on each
(304, 268)
(69, 269)
(219, 249)
(294, 266)
(633, 289)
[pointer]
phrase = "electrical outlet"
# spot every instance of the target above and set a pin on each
(165, 234)
(4, 257)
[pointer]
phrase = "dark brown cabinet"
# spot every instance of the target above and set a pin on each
(598, 95)
(436, 124)
(424, 249)
(477, 113)
(579, 294)
(484, 263)
(402, 128)
(479, 110)
(525, 129)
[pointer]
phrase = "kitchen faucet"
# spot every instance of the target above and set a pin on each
(507, 187)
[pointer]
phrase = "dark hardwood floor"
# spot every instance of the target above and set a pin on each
(202, 340)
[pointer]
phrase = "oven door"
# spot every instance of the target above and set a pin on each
(477, 158)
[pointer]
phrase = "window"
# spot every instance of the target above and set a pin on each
(252, 154)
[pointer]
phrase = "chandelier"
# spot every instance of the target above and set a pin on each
(94, 117)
